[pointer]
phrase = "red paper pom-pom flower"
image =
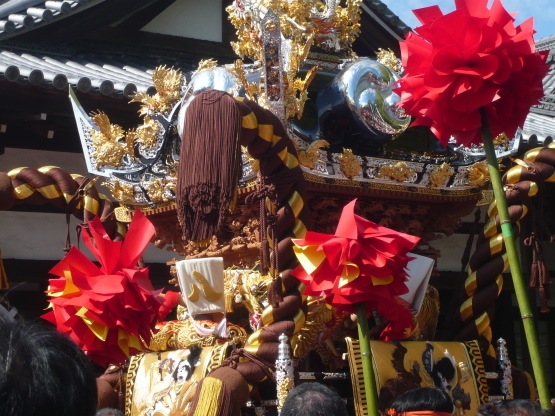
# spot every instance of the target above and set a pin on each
(108, 311)
(362, 262)
(470, 58)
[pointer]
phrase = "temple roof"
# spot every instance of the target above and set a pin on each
(95, 74)
(21, 16)
(105, 65)
(539, 127)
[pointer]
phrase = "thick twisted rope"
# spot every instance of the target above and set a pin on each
(69, 192)
(485, 281)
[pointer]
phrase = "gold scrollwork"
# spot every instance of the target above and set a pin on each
(348, 164)
(308, 157)
(478, 174)
(440, 174)
(387, 57)
(106, 140)
(167, 82)
(398, 172)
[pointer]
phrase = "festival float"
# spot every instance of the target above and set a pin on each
(300, 188)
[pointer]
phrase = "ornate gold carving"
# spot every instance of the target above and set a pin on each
(237, 334)
(167, 82)
(251, 89)
(109, 150)
(122, 214)
(429, 314)
(487, 198)
(348, 163)
(501, 140)
(398, 172)
(388, 58)
(308, 157)
(302, 23)
(440, 174)
(249, 288)
(296, 93)
(121, 191)
(319, 314)
(146, 134)
(283, 387)
(478, 174)
(173, 335)
(206, 64)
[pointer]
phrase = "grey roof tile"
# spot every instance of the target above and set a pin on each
(89, 74)
(19, 16)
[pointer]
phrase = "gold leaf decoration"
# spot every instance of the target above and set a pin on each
(205, 64)
(501, 140)
(349, 165)
(440, 174)
(168, 82)
(302, 23)
(388, 58)
(308, 157)
(478, 174)
(251, 89)
(106, 140)
(147, 133)
(398, 172)
(319, 314)
(121, 191)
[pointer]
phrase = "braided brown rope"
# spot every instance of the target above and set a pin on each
(489, 260)
(53, 185)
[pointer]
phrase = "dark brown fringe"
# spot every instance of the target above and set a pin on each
(209, 164)
(539, 276)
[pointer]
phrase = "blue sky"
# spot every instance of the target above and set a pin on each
(543, 12)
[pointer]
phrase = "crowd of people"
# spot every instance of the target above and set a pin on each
(44, 373)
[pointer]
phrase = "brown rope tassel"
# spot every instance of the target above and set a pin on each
(539, 276)
(209, 164)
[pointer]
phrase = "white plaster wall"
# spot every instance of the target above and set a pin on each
(40, 236)
(191, 19)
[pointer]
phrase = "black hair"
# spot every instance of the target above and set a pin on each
(447, 370)
(192, 359)
(313, 399)
(518, 407)
(423, 398)
(43, 373)
(108, 411)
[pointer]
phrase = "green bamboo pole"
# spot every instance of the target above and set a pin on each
(514, 263)
(366, 355)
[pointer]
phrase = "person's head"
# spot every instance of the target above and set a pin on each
(510, 408)
(186, 367)
(43, 373)
(182, 372)
(423, 399)
(108, 411)
(311, 399)
(442, 373)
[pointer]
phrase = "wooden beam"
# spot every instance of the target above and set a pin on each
(134, 22)
(80, 24)
(155, 43)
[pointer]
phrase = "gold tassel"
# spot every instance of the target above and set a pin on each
(210, 398)
(3, 276)
(202, 243)
(229, 302)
